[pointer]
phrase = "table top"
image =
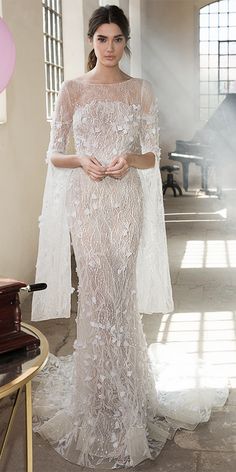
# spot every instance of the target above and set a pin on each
(19, 367)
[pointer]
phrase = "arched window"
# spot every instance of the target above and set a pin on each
(53, 51)
(217, 54)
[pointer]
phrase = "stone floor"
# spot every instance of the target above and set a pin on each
(202, 249)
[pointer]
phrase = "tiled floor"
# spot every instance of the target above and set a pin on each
(202, 249)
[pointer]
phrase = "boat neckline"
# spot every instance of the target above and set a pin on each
(107, 83)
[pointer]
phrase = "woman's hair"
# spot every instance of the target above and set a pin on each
(107, 14)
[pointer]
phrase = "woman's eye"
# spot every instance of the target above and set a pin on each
(103, 40)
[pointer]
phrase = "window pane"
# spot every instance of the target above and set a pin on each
(213, 47)
(223, 34)
(223, 87)
(232, 19)
(204, 20)
(223, 74)
(213, 88)
(205, 10)
(204, 34)
(223, 6)
(204, 74)
(213, 74)
(213, 61)
(232, 87)
(217, 50)
(204, 47)
(232, 61)
(47, 50)
(213, 34)
(223, 48)
(232, 74)
(214, 7)
(213, 20)
(45, 18)
(60, 28)
(223, 61)
(203, 61)
(53, 52)
(232, 48)
(223, 19)
(49, 22)
(232, 5)
(232, 32)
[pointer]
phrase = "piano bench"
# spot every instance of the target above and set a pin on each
(170, 181)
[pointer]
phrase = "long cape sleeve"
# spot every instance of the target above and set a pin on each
(54, 251)
(153, 278)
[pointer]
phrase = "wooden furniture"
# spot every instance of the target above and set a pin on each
(17, 368)
(12, 337)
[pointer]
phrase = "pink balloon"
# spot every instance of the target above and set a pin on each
(7, 55)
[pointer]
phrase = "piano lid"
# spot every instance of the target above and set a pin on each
(220, 130)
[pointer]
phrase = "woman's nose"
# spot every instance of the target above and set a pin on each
(110, 46)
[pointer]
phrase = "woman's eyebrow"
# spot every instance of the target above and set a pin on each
(116, 36)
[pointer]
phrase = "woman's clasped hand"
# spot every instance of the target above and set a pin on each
(117, 169)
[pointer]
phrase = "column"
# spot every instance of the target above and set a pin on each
(73, 38)
(135, 41)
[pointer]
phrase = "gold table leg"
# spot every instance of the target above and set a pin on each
(28, 425)
(28, 413)
(11, 419)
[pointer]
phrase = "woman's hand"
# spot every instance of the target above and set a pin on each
(93, 168)
(118, 167)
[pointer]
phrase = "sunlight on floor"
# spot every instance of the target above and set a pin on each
(210, 254)
(211, 336)
(197, 216)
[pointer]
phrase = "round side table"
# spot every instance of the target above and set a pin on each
(16, 371)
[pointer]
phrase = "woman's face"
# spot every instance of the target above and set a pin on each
(108, 43)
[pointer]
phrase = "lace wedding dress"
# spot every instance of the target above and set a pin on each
(111, 404)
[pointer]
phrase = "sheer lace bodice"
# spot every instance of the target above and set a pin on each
(107, 119)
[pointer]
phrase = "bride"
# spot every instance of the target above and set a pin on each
(107, 403)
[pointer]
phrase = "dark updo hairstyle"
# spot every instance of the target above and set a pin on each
(107, 14)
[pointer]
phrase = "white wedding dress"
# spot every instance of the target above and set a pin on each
(112, 403)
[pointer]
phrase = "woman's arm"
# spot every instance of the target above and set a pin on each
(67, 161)
(90, 165)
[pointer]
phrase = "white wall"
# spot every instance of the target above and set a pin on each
(169, 62)
(23, 140)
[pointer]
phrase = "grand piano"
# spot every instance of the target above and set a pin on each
(212, 145)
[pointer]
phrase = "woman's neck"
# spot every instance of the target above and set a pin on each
(103, 74)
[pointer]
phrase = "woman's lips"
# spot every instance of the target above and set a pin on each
(109, 57)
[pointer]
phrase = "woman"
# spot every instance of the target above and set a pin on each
(100, 406)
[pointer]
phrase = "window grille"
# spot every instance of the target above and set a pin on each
(53, 51)
(217, 54)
